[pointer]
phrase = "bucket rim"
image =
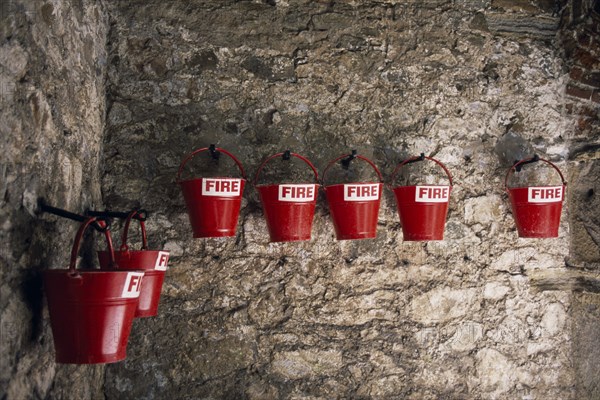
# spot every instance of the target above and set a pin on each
(148, 272)
(352, 183)
(66, 271)
(260, 186)
(182, 181)
(411, 186)
(541, 186)
(135, 251)
(126, 256)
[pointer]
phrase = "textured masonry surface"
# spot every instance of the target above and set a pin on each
(107, 97)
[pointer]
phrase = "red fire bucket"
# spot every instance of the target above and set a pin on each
(290, 207)
(354, 207)
(91, 311)
(536, 209)
(213, 203)
(423, 208)
(152, 262)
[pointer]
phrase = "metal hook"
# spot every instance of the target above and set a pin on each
(141, 214)
(346, 161)
(214, 153)
(417, 159)
(43, 207)
(533, 159)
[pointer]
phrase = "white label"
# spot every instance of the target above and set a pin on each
(133, 284)
(222, 187)
(545, 194)
(297, 193)
(161, 261)
(361, 192)
(432, 194)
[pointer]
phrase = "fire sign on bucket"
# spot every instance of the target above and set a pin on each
(361, 192)
(546, 194)
(132, 286)
(297, 193)
(432, 194)
(223, 187)
(161, 261)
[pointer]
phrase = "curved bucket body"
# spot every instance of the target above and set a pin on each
(213, 205)
(354, 209)
(289, 210)
(537, 210)
(423, 211)
(153, 263)
(91, 313)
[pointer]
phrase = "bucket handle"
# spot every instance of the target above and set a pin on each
(79, 236)
(516, 167)
(213, 150)
(350, 157)
(421, 158)
(286, 155)
(124, 247)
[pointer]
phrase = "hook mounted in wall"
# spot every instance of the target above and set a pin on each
(214, 153)
(101, 224)
(519, 164)
(411, 160)
(140, 214)
(346, 161)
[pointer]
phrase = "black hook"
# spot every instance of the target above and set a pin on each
(346, 161)
(214, 153)
(43, 207)
(141, 214)
(286, 155)
(416, 159)
(533, 159)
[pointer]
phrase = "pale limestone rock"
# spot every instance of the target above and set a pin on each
(443, 304)
(495, 371)
(554, 319)
(359, 310)
(382, 388)
(483, 210)
(302, 363)
(467, 336)
(495, 291)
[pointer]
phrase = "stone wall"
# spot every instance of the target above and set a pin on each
(52, 106)
(476, 84)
